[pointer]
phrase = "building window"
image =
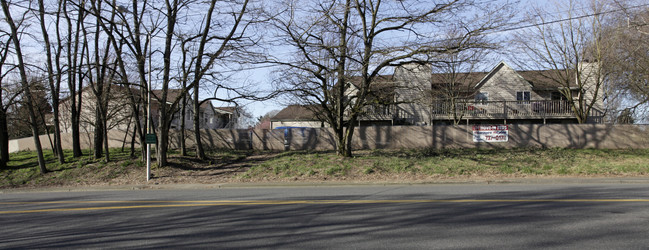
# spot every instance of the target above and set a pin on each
(482, 98)
(523, 97)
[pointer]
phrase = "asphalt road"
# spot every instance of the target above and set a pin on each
(575, 216)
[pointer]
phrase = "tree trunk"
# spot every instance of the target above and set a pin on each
(166, 113)
(37, 140)
(340, 70)
(163, 140)
(98, 137)
(34, 124)
(128, 127)
(200, 154)
(105, 135)
(57, 134)
(4, 134)
(75, 128)
(4, 137)
(76, 119)
(163, 136)
(349, 134)
(133, 143)
(340, 142)
(77, 84)
(183, 146)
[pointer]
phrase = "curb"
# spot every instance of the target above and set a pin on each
(195, 186)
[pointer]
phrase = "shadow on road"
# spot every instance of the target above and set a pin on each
(494, 224)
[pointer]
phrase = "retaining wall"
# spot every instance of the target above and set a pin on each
(602, 136)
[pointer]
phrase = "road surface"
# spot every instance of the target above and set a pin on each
(518, 216)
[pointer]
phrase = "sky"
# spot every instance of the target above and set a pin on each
(262, 76)
(258, 76)
(556, 10)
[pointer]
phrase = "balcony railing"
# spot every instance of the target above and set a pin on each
(506, 109)
(443, 110)
(381, 112)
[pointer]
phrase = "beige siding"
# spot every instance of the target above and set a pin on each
(414, 82)
(589, 75)
(119, 112)
(116, 139)
(503, 84)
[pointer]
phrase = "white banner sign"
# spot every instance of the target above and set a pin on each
(490, 133)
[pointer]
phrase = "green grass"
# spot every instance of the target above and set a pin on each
(23, 170)
(291, 164)
(459, 162)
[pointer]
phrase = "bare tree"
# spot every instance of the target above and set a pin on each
(134, 32)
(185, 69)
(221, 38)
(232, 33)
(214, 40)
(454, 81)
(342, 48)
(627, 62)
(53, 67)
(7, 98)
(15, 37)
(572, 46)
(74, 74)
(100, 74)
(19, 122)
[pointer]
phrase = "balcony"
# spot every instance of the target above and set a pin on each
(541, 109)
(379, 112)
(472, 110)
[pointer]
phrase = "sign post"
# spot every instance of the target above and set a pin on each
(148, 116)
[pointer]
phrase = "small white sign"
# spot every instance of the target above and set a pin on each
(490, 133)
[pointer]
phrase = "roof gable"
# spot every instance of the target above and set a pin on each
(295, 113)
(499, 69)
(172, 94)
(226, 110)
(464, 81)
(545, 79)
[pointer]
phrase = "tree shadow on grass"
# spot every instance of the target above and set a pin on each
(24, 160)
(30, 164)
(214, 165)
(232, 159)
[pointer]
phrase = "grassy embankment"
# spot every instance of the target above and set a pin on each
(367, 165)
(458, 163)
(22, 169)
